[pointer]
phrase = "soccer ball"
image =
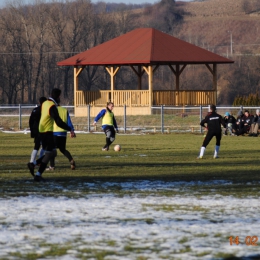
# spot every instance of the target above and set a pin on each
(117, 148)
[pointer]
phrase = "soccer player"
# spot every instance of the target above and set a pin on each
(214, 122)
(108, 124)
(49, 115)
(60, 138)
(34, 128)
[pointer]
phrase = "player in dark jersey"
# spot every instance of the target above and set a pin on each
(214, 122)
(34, 128)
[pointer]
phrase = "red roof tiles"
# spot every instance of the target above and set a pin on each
(144, 46)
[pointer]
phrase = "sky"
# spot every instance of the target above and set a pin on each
(3, 2)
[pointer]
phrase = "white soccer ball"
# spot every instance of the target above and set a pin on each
(117, 147)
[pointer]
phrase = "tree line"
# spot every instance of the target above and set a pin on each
(35, 37)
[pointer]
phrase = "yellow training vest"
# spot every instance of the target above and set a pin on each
(46, 121)
(108, 118)
(63, 115)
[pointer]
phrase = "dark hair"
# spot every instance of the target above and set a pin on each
(42, 99)
(213, 107)
(55, 93)
(109, 103)
(246, 111)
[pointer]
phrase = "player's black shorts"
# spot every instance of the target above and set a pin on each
(37, 142)
(209, 136)
(60, 142)
(109, 130)
(48, 143)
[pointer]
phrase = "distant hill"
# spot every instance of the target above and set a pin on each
(210, 23)
(230, 28)
(222, 8)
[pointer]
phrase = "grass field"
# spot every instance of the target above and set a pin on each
(152, 200)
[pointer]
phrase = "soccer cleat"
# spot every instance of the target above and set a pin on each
(38, 178)
(200, 157)
(31, 168)
(72, 164)
(50, 168)
(105, 148)
(215, 157)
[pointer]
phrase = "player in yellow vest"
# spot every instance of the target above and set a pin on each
(60, 138)
(108, 124)
(49, 115)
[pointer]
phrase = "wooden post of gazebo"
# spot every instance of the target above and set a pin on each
(112, 72)
(149, 71)
(77, 71)
(177, 72)
(214, 74)
(215, 84)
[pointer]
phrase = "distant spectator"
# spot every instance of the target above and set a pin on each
(245, 123)
(230, 124)
(239, 124)
(255, 124)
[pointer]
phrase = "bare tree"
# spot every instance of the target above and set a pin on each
(71, 29)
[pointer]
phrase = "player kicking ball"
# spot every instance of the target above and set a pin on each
(109, 124)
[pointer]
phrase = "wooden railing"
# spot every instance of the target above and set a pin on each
(141, 97)
(119, 97)
(184, 97)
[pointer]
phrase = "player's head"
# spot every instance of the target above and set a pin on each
(110, 105)
(246, 113)
(257, 111)
(42, 99)
(213, 108)
(55, 94)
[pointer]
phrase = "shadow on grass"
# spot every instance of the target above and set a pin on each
(232, 176)
(253, 257)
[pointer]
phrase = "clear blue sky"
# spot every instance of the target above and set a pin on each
(3, 2)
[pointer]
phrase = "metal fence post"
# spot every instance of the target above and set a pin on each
(20, 117)
(200, 118)
(124, 118)
(162, 123)
(88, 117)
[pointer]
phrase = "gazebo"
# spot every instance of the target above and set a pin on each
(143, 50)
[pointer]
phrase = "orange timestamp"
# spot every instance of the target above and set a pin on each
(249, 240)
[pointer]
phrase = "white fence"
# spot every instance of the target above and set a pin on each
(162, 119)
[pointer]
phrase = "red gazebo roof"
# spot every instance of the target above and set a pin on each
(144, 46)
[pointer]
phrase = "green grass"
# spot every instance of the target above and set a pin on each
(150, 157)
(169, 156)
